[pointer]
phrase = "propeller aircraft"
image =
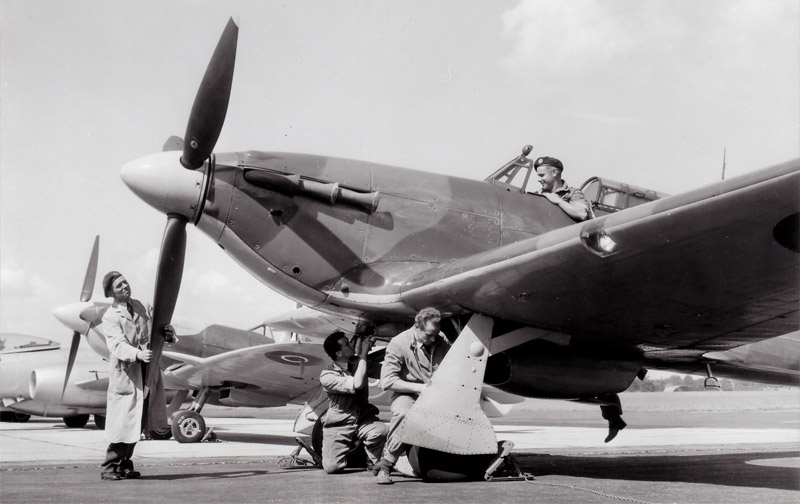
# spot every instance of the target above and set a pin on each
(544, 306)
(221, 365)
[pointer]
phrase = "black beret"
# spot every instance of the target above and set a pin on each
(108, 280)
(547, 160)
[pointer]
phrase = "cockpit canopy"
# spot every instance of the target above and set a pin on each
(607, 196)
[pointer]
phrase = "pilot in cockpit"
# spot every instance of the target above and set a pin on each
(569, 199)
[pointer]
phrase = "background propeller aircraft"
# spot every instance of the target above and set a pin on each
(222, 365)
(565, 310)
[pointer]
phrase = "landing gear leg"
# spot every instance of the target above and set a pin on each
(176, 402)
(451, 438)
(447, 416)
(710, 383)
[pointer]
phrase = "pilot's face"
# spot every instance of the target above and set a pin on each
(121, 289)
(548, 176)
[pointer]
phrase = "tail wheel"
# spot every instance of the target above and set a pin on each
(76, 421)
(434, 465)
(188, 427)
(100, 422)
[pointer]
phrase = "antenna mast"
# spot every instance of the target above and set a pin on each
(724, 152)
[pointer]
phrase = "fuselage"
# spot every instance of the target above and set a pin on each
(339, 255)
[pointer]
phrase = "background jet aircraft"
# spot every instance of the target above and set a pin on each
(566, 310)
(31, 383)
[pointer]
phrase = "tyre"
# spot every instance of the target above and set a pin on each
(21, 417)
(316, 437)
(76, 421)
(434, 465)
(160, 434)
(188, 427)
(14, 416)
(100, 422)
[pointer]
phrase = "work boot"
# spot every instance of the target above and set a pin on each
(383, 477)
(130, 474)
(111, 476)
(614, 426)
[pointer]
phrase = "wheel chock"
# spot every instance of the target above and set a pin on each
(295, 461)
(209, 435)
(504, 467)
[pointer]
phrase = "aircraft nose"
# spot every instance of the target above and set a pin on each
(163, 183)
(70, 316)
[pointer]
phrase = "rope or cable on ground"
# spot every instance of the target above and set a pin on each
(588, 490)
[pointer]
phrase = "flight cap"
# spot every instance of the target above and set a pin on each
(108, 281)
(550, 161)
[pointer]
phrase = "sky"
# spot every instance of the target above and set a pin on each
(649, 93)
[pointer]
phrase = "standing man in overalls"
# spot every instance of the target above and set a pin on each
(127, 325)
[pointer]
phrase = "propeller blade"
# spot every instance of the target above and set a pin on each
(168, 284)
(211, 102)
(73, 352)
(91, 272)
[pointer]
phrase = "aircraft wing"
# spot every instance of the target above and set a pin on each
(705, 271)
(310, 322)
(285, 372)
(96, 384)
(770, 361)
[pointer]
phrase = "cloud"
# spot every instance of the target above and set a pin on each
(607, 35)
(606, 118)
(568, 36)
(16, 282)
(200, 284)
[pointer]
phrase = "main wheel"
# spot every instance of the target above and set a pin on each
(100, 421)
(76, 421)
(14, 416)
(434, 465)
(188, 427)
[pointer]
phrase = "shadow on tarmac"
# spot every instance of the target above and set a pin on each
(245, 437)
(204, 475)
(728, 469)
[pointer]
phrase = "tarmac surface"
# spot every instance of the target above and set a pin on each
(681, 447)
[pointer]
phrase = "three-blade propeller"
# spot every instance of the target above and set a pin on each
(86, 295)
(202, 132)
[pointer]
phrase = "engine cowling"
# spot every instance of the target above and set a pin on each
(47, 382)
(546, 370)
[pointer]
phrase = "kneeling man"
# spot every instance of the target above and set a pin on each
(350, 417)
